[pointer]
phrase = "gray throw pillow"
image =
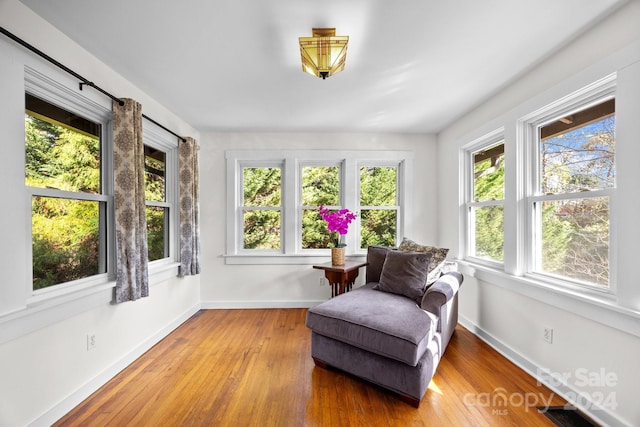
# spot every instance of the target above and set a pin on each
(375, 260)
(439, 256)
(405, 273)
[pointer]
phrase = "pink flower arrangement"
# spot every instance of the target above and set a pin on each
(338, 222)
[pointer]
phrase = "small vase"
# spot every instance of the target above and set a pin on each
(337, 256)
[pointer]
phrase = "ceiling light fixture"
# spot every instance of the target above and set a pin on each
(323, 54)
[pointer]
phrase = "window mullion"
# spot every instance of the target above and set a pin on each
(350, 195)
(290, 217)
(234, 205)
(172, 188)
(103, 261)
(404, 182)
(108, 189)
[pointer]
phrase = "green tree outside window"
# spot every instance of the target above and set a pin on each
(378, 206)
(262, 195)
(65, 230)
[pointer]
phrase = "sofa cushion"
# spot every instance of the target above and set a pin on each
(375, 260)
(405, 273)
(387, 324)
(438, 256)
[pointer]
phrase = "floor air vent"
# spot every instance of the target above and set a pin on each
(567, 416)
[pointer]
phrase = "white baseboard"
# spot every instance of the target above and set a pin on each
(212, 305)
(73, 400)
(584, 403)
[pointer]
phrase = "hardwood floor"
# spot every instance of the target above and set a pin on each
(254, 368)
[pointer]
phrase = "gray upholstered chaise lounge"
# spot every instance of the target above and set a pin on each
(386, 338)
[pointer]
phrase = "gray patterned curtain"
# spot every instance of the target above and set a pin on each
(189, 208)
(132, 277)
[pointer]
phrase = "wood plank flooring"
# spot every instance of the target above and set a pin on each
(254, 368)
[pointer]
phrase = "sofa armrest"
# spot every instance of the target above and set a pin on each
(441, 292)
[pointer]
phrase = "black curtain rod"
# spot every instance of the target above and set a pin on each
(181, 138)
(83, 81)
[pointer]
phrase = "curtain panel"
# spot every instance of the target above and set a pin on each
(132, 277)
(189, 208)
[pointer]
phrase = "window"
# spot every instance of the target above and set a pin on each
(572, 185)
(485, 201)
(320, 187)
(378, 206)
(273, 200)
(161, 192)
(157, 209)
(64, 173)
(262, 207)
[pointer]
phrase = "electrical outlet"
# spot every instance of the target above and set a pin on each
(548, 335)
(322, 281)
(91, 341)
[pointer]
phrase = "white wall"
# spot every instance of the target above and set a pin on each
(45, 368)
(49, 371)
(293, 285)
(510, 314)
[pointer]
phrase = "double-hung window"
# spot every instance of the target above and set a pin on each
(261, 211)
(161, 191)
(320, 186)
(65, 175)
(157, 211)
(570, 190)
(485, 200)
(378, 205)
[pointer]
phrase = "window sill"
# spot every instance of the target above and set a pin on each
(162, 270)
(284, 259)
(44, 310)
(599, 308)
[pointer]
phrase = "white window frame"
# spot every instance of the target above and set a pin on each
(292, 162)
(584, 98)
(47, 89)
(301, 207)
(275, 164)
(157, 138)
(400, 194)
(485, 142)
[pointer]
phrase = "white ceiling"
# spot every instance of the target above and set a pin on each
(413, 66)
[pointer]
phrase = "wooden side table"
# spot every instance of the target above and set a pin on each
(341, 277)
